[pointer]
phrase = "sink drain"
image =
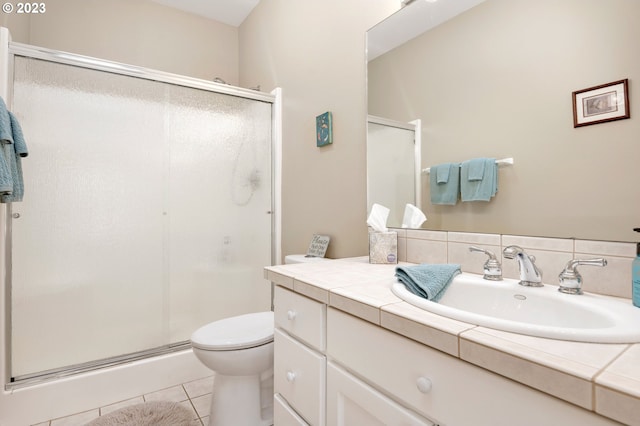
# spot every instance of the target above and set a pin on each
(520, 296)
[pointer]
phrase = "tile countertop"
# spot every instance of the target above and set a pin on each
(604, 378)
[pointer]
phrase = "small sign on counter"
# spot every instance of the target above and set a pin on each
(318, 246)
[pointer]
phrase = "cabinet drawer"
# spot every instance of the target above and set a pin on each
(352, 402)
(439, 386)
(301, 317)
(299, 376)
(283, 415)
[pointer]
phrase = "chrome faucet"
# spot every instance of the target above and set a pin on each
(530, 275)
(570, 278)
(492, 267)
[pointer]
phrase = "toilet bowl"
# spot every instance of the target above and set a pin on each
(240, 352)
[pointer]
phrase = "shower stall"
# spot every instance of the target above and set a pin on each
(150, 209)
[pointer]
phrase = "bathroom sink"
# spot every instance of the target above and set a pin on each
(534, 311)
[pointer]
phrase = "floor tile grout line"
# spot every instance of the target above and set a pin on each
(144, 399)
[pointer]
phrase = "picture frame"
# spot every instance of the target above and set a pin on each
(324, 129)
(601, 104)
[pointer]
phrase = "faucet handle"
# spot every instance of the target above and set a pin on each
(492, 267)
(570, 278)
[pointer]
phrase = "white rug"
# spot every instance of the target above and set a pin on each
(153, 413)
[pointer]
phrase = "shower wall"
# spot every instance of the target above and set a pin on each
(147, 213)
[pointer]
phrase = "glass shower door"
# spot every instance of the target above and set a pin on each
(220, 221)
(146, 214)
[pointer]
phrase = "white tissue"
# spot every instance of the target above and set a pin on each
(378, 218)
(413, 217)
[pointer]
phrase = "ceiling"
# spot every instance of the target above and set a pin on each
(231, 12)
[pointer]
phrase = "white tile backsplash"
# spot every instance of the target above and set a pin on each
(471, 261)
(426, 251)
(540, 243)
(552, 255)
(606, 248)
(474, 239)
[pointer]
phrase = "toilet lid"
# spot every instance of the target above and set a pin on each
(240, 332)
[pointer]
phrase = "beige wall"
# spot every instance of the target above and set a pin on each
(136, 32)
(314, 50)
(497, 82)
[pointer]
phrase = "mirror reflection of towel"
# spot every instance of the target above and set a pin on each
(444, 183)
(478, 179)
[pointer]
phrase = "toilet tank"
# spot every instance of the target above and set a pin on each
(301, 258)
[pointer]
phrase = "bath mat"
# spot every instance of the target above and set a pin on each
(153, 413)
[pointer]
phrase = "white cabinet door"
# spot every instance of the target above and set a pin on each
(350, 402)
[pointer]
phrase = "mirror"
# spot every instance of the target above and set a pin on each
(495, 79)
(393, 166)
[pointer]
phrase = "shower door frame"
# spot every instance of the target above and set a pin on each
(8, 50)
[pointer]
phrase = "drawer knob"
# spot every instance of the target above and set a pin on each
(291, 315)
(291, 376)
(423, 384)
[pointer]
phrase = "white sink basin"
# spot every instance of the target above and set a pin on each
(534, 311)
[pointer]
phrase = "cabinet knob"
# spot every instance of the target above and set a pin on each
(423, 384)
(291, 376)
(291, 315)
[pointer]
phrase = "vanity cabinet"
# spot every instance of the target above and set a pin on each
(441, 387)
(331, 368)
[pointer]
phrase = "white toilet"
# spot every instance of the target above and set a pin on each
(240, 352)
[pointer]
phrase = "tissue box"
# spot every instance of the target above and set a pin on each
(383, 247)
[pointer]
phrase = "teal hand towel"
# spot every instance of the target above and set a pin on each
(5, 124)
(445, 190)
(12, 148)
(6, 149)
(427, 280)
(478, 179)
(476, 168)
(442, 172)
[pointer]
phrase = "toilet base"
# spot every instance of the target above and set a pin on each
(236, 400)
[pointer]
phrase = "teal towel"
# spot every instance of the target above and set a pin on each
(6, 142)
(427, 280)
(476, 169)
(442, 172)
(445, 183)
(13, 147)
(478, 179)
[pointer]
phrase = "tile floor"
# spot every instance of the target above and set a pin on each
(194, 395)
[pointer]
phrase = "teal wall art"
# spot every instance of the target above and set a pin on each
(324, 130)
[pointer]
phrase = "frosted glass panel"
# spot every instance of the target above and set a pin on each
(220, 228)
(145, 213)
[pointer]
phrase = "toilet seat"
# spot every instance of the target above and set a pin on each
(240, 332)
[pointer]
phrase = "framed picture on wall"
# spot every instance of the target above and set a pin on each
(599, 104)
